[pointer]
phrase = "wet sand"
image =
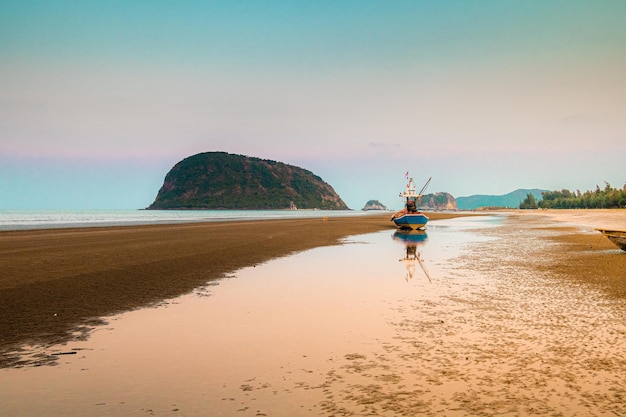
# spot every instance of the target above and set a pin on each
(582, 255)
(527, 319)
(531, 322)
(56, 284)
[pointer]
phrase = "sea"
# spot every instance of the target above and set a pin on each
(52, 219)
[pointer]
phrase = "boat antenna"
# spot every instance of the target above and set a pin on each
(425, 185)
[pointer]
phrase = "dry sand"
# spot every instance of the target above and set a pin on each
(55, 284)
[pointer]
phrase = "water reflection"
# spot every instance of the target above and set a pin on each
(412, 257)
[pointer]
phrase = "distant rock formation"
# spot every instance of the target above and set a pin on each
(438, 201)
(374, 205)
(219, 180)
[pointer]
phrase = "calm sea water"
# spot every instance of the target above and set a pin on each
(47, 219)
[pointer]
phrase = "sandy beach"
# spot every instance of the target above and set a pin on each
(582, 253)
(53, 283)
(527, 317)
(529, 322)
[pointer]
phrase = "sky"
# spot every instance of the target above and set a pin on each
(99, 99)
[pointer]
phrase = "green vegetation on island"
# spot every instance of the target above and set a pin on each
(374, 205)
(529, 202)
(218, 180)
(510, 200)
(608, 197)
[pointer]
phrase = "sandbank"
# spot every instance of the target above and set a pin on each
(582, 254)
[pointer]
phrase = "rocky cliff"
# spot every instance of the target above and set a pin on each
(218, 180)
(374, 205)
(438, 201)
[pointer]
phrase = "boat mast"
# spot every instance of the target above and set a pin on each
(410, 191)
(421, 193)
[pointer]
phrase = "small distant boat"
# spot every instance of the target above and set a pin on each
(410, 217)
(618, 237)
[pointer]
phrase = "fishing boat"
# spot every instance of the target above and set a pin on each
(410, 217)
(618, 237)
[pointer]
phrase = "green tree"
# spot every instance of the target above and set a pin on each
(608, 197)
(529, 202)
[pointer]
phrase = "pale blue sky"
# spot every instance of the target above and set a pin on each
(99, 99)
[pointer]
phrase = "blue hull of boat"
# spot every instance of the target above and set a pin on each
(411, 221)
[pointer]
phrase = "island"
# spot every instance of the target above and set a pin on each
(219, 180)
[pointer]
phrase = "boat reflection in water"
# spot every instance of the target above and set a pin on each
(412, 257)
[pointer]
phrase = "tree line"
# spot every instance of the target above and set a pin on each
(608, 197)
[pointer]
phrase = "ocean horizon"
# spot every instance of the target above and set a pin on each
(53, 219)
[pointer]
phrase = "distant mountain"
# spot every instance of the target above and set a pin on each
(438, 201)
(219, 180)
(511, 200)
(374, 205)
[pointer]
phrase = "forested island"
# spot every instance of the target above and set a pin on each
(374, 205)
(219, 180)
(608, 197)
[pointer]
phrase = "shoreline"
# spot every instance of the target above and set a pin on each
(501, 328)
(592, 218)
(16, 220)
(56, 284)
